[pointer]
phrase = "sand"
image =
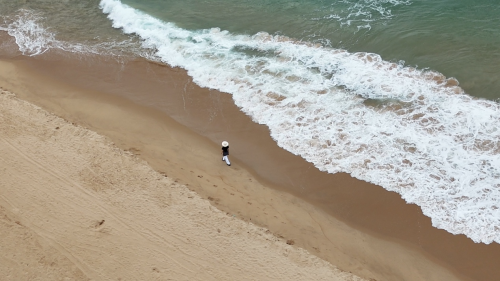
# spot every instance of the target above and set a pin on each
(356, 226)
(73, 206)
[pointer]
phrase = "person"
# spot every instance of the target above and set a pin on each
(225, 152)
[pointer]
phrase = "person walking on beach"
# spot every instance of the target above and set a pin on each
(225, 152)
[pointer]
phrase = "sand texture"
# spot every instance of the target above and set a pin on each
(75, 207)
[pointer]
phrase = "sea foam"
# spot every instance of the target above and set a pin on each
(410, 131)
(33, 38)
(362, 13)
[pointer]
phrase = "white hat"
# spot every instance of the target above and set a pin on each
(225, 144)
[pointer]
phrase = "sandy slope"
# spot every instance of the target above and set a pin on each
(75, 207)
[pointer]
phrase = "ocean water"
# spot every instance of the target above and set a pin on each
(400, 93)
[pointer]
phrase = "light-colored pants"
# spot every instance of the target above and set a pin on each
(225, 158)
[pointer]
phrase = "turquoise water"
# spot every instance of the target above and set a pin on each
(400, 93)
(457, 38)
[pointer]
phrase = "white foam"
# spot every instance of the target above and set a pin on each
(33, 38)
(422, 137)
(362, 13)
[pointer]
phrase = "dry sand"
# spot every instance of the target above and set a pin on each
(75, 207)
(193, 160)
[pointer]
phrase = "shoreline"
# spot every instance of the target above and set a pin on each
(364, 250)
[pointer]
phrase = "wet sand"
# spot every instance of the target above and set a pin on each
(75, 207)
(355, 225)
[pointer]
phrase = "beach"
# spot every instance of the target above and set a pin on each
(74, 206)
(363, 138)
(361, 229)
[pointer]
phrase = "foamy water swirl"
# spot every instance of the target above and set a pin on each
(362, 13)
(411, 131)
(33, 39)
